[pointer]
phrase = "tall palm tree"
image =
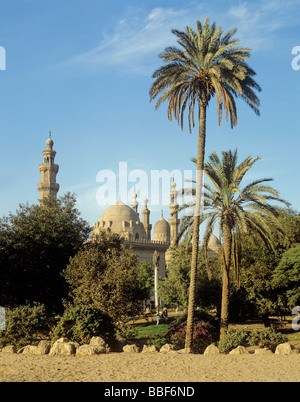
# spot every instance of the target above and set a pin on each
(235, 211)
(209, 63)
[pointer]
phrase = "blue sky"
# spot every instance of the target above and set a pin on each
(82, 70)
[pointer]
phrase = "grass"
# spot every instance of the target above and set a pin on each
(143, 331)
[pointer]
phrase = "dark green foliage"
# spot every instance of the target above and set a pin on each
(267, 338)
(105, 274)
(81, 323)
(23, 323)
(232, 339)
(173, 289)
(286, 278)
(35, 246)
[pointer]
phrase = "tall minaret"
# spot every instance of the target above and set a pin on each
(146, 220)
(173, 221)
(134, 203)
(48, 170)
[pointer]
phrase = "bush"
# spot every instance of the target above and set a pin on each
(157, 340)
(232, 339)
(267, 338)
(81, 323)
(200, 340)
(23, 323)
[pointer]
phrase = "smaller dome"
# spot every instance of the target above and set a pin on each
(162, 230)
(214, 244)
(213, 241)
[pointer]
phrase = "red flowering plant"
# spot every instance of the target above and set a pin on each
(201, 336)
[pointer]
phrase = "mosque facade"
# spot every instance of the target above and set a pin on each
(126, 221)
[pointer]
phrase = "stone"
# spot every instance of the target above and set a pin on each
(184, 351)
(240, 350)
(130, 349)
(29, 350)
(211, 350)
(97, 341)
(9, 349)
(63, 347)
(90, 350)
(63, 340)
(150, 349)
(43, 347)
(285, 349)
(167, 348)
(263, 351)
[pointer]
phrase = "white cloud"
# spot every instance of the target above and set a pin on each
(139, 36)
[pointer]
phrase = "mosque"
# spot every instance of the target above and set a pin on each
(125, 220)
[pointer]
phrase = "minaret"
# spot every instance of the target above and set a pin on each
(173, 221)
(48, 170)
(134, 202)
(146, 220)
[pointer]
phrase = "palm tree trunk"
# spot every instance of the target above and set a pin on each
(225, 286)
(195, 248)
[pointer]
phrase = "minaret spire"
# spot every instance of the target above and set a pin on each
(48, 170)
(146, 219)
(173, 221)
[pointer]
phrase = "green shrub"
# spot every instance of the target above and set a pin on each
(81, 323)
(157, 340)
(232, 339)
(23, 323)
(267, 338)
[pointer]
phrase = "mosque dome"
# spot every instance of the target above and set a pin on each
(122, 220)
(162, 230)
(213, 243)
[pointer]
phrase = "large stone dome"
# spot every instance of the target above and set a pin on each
(214, 244)
(121, 219)
(162, 231)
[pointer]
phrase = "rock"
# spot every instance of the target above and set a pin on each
(263, 351)
(97, 341)
(90, 350)
(184, 351)
(285, 349)
(240, 350)
(29, 350)
(63, 347)
(167, 348)
(211, 350)
(63, 340)
(43, 347)
(130, 349)
(150, 349)
(9, 349)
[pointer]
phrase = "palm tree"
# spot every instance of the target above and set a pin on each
(235, 211)
(209, 63)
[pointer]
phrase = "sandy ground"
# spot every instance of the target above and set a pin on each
(138, 367)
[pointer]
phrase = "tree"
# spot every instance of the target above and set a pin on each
(35, 246)
(236, 212)
(104, 274)
(286, 278)
(145, 277)
(174, 288)
(258, 263)
(209, 63)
